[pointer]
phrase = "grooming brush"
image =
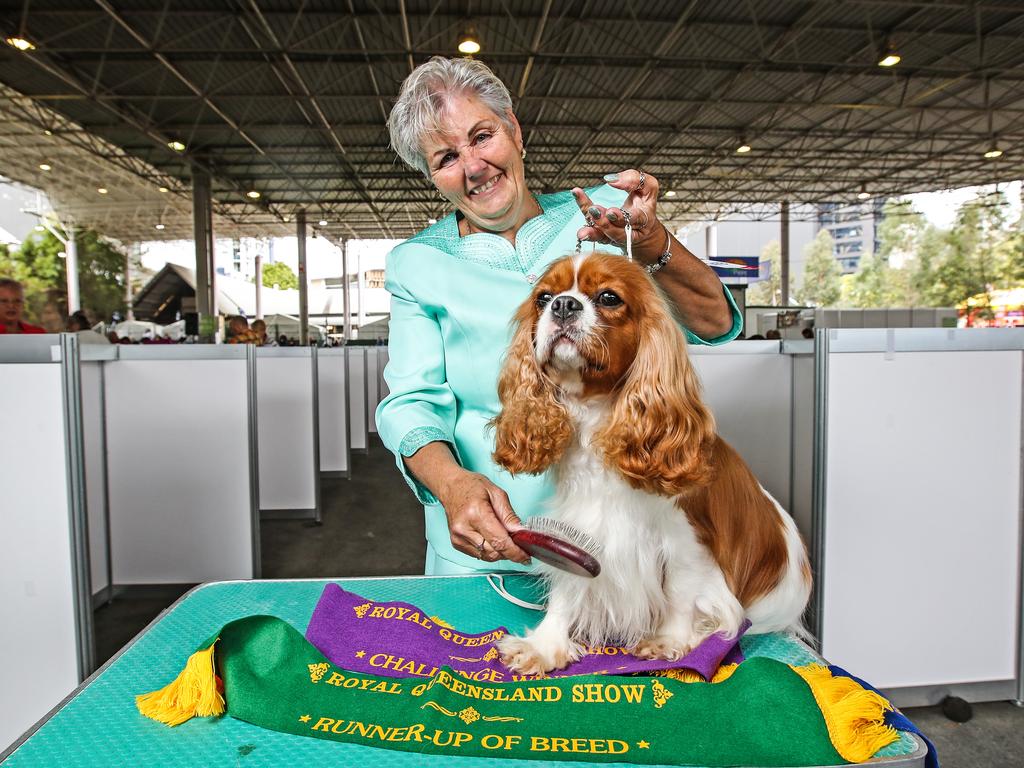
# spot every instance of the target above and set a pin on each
(559, 545)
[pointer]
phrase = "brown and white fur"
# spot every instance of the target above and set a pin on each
(597, 383)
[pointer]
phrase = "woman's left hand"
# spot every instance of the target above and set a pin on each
(609, 224)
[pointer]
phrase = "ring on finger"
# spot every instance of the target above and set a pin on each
(642, 223)
(640, 184)
(480, 548)
(589, 219)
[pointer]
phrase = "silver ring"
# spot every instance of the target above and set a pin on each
(640, 184)
(480, 548)
(589, 219)
(634, 213)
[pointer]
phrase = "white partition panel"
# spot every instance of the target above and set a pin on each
(357, 399)
(748, 387)
(921, 510)
(285, 403)
(372, 386)
(332, 399)
(179, 465)
(40, 654)
(96, 476)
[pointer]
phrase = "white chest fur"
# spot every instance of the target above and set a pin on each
(646, 543)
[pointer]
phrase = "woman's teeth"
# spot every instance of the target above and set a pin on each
(486, 187)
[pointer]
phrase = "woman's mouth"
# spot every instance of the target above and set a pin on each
(487, 186)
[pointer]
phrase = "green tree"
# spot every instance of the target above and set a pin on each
(280, 275)
(768, 293)
(899, 231)
(821, 283)
(40, 267)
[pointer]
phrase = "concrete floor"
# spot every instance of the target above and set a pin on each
(372, 526)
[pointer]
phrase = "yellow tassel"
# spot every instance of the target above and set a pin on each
(854, 716)
(689, 676)
(192, 694)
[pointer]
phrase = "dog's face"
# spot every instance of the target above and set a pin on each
(590, 313)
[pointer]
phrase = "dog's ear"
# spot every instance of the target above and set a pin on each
(660, 433)
(533, 428)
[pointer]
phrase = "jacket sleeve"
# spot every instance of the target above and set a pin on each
(420, 407)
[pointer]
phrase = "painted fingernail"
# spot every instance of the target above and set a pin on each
(594, 211)
(611, 177)
(612, 216)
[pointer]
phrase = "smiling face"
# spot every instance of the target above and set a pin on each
(475, 162)
(590, 314)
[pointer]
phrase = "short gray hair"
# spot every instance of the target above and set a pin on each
(424, 97)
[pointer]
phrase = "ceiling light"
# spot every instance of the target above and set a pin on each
(177, 146)
(670, 193)
(468, 41)
(39, 228)
(252, 194)
(889, 60)
(863, 194)
(160, 225)
(993, 152)
(743, 148)
(323, 222)
(163, 189)
(21, 43)
(45, 166)
(101, 190)
(48, 132)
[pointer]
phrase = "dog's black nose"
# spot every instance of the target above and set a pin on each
(564, 307)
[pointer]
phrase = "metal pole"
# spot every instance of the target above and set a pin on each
(129, 309)
(300, 233)
(71, 266)
(259, 286)
(361, 316)
(202, 228)
(784, 252)
(345, 288)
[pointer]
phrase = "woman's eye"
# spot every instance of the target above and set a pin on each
(608, 299)
(448, 159)
(544, 298)
(482, 137)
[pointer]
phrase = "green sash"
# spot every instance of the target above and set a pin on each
(764, 713)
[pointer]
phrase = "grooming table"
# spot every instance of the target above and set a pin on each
(98, 725)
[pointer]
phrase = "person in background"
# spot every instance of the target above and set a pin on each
(455, 286)
(259, 327)
(12, 303)
(807, 333)
(239, 331)
(78, 324)
(773, 333)
(51, 317)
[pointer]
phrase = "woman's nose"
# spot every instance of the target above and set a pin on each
(475, 167)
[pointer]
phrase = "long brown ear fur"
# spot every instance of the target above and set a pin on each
(660, 433)
(533, 428)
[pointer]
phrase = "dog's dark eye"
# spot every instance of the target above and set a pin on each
(544, 298)
(608, 299)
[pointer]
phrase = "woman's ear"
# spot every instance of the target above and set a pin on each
(660, 433)
(533, 428)
(517, 131)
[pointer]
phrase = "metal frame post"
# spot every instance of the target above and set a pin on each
(202, 228)
(300, 233)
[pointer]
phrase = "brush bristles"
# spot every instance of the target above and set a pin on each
(565, 532)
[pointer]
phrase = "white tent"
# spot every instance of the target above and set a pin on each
(289, 326)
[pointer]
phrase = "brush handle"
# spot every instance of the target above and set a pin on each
(557, 552)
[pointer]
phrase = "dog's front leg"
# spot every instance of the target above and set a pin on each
(547, 647)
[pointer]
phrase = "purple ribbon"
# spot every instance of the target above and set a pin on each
(399, 640)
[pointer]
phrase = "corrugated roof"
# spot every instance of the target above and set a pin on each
(289, 98)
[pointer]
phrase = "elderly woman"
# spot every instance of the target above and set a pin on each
(455, 286)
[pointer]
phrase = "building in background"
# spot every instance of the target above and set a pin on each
(854, 229)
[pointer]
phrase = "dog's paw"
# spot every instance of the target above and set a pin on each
(663, 647)
(527, 656)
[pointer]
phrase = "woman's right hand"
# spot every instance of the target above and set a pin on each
(479, 518)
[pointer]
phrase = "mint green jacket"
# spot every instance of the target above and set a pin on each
(452, 299)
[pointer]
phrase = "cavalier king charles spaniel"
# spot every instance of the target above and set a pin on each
(597, 383)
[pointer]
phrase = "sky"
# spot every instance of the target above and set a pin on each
(940, 207)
